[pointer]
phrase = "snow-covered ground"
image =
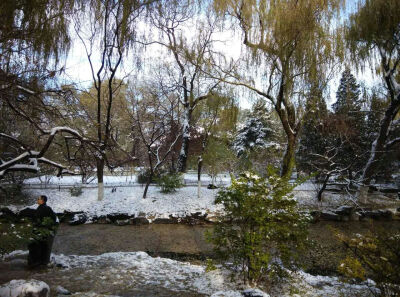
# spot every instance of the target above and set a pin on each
(115, 180)
(113, 271)
(128, 198)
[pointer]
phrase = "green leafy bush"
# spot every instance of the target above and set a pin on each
(170, 182)
(374, 256)
(76, 191)
(14, 235)
(261, 227)
(17, 235)
(144, 175)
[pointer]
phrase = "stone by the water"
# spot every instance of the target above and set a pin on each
(25, 288)
(62, 291)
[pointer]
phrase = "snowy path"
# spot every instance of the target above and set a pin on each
(138, 274)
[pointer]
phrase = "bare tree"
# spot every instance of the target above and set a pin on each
(112, 32)
(153, 124)
(189, 57)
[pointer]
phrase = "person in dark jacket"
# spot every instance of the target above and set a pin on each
(45, 226)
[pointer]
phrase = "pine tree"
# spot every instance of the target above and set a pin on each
(251, 136)
(350, 125)
(313, 139)
(347, 95)
(258, 143)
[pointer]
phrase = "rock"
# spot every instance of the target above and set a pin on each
(122, 222)
(379, 214)
(140, 221)
(170, 220)
(254, 293)
(316, 215)
(102, 220)
(196, 218)
(25, 288)
(62, 291)
(389, 190)
(212, 187)
(78, 219)
(355, 216)
(344, 210)
(27, 213)
(68, 215)
(8, 214)
(330, 216)
(113, 217)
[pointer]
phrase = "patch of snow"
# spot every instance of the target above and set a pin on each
(142, 270)
(15, 254)
(227, 294)
(147, 270)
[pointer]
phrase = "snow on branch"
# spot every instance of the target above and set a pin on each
(392, 142)
(19, 163)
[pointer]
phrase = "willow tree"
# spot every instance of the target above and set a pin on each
(291, 45)
(33, 36)
(374, 34)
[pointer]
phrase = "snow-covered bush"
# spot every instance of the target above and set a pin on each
(76, 191)
(251, 136)
(261, 226)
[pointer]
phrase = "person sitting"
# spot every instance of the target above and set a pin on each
(45, 227)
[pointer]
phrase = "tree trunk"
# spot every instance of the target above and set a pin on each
(378, 146)
(199, 167)
(319, 195)
(100, 175)
(183, 154)
(289, 160)
(147, 184)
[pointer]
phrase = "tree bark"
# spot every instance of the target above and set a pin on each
(319, 195)
(148, 184)
(289, 161)
(378, 148)
(100, 175)
(199, 167)
(183, 155)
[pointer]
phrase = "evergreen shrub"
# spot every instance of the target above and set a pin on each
(169, 182)
(76, 191)
(376, 256)
(144, 175)
(262, 228)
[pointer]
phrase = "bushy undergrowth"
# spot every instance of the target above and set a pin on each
(76, 191)
(14, 235)
(170, 182)
(143, 176)
(17, 234)
(262, 227)
(376, 257)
